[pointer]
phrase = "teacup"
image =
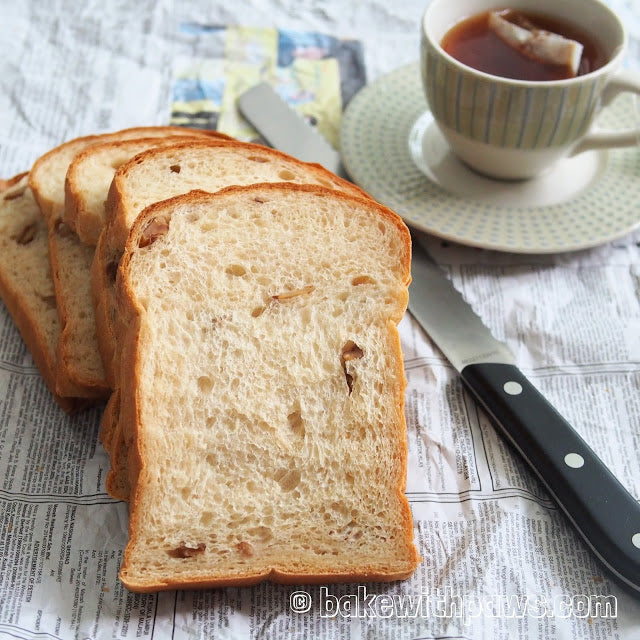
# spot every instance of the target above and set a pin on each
(515, 129)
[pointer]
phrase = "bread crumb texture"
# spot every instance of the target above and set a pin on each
(269, 390)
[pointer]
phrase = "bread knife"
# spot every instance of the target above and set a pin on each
(603, 512)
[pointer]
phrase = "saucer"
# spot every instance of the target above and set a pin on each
(392, 148)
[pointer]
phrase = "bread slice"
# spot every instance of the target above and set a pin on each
(79, 369)
(264, 390)
(162, 173)
(117, 483)
(47, 176)
(90, 174)
(26, 286)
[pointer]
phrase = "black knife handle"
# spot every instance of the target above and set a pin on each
(603, 511)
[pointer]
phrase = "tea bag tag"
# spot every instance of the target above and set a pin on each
(541, 45)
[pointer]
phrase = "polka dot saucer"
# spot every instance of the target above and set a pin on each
(392, 149)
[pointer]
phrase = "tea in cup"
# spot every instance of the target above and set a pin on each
(514, 89)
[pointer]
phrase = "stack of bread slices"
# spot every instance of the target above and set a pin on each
(238, 310)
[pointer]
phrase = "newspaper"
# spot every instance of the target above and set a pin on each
(499, 558)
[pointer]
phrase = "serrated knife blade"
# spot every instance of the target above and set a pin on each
(604, 513)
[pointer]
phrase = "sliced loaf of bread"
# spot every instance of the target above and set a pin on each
(263, 390)
(26, 286)
(162, 173)
(79, 369)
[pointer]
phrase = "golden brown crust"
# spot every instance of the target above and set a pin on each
(278, 577)
(31, 330)
(109, 419)
(9, 182)
(116, 206)
(198, 195)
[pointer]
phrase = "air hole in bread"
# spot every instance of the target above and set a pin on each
(340, 508)
(257, 311)
(235, 270)
(205, 384)
(208, 226)
(288, 479)
(212, 460)
(258, 159)
(175, 168)
(27, 234)
(382, 227)
(261, 533)
(296, 423)
(285, 174)
(206, 518)
(358, 280)
(187, 551)
(349, 378)
(350, 351)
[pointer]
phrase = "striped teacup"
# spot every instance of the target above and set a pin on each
(515, 129)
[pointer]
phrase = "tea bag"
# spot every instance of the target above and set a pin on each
(541, 45)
